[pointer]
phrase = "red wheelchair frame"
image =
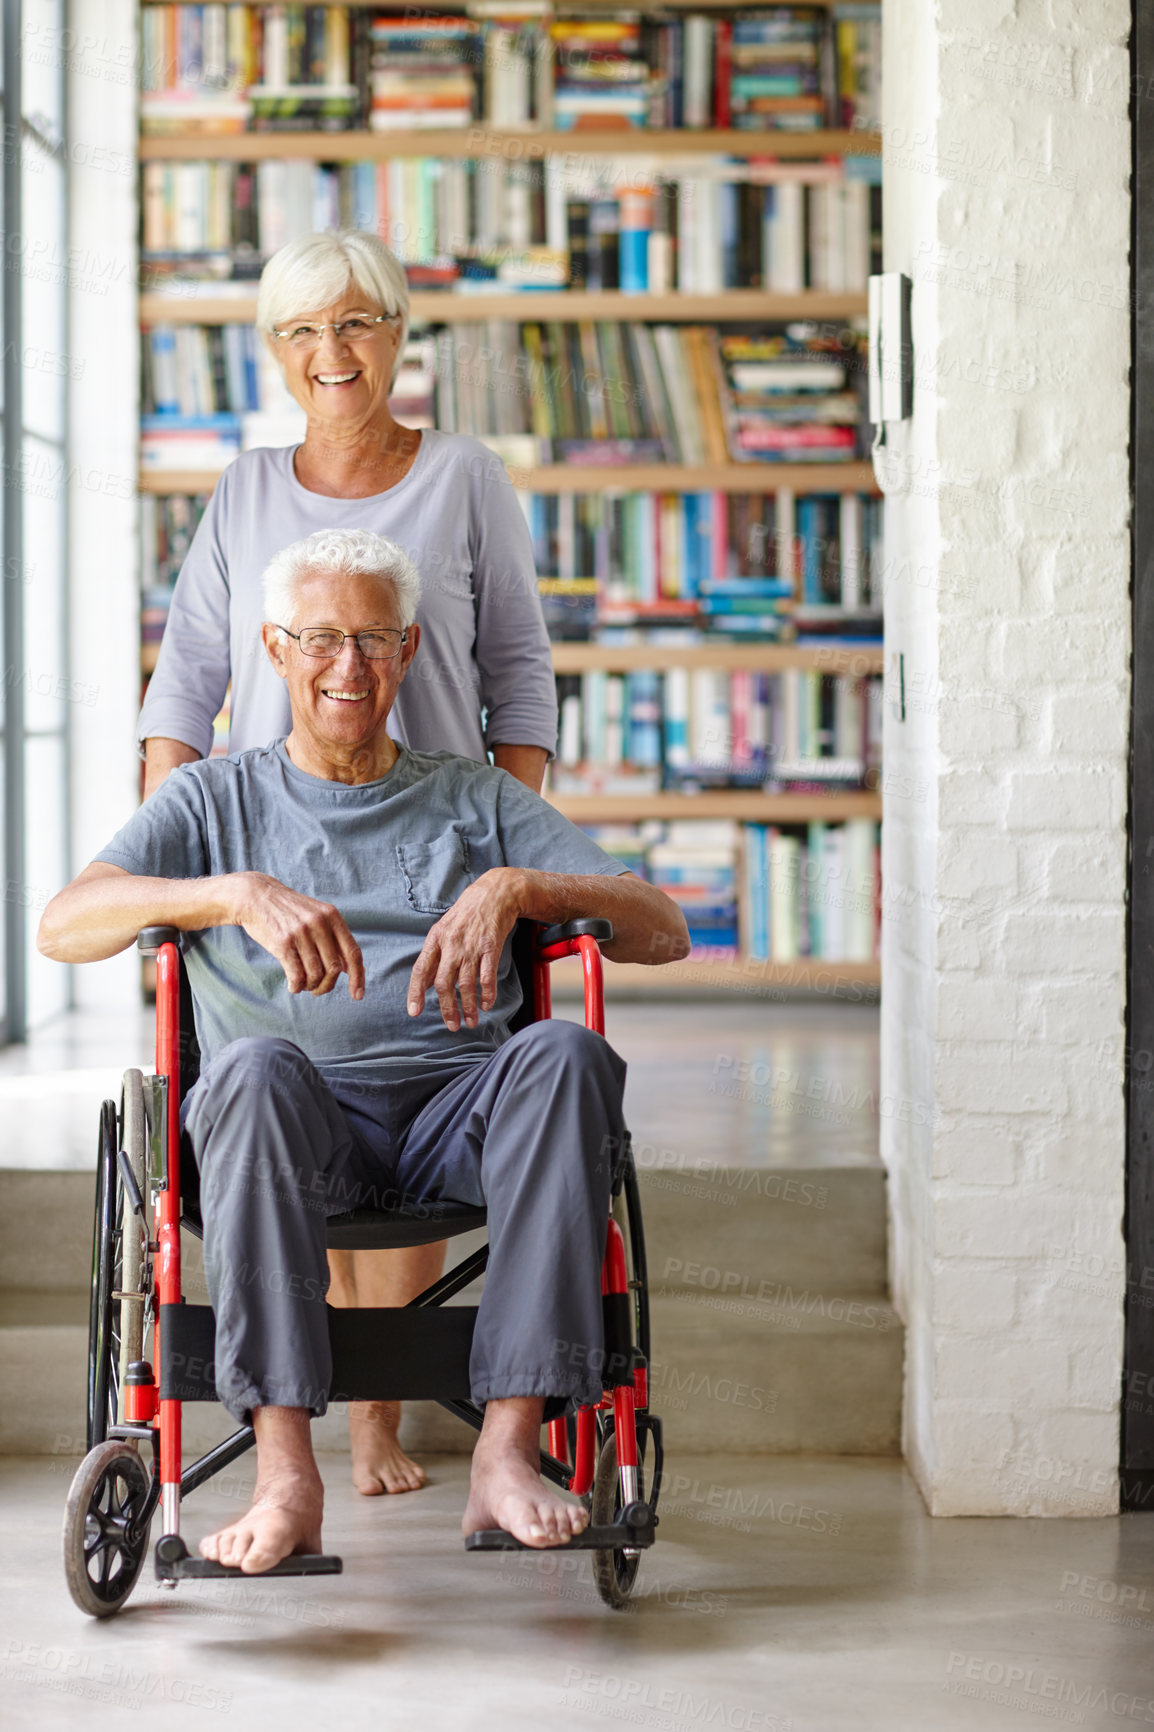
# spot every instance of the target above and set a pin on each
(597, 1453)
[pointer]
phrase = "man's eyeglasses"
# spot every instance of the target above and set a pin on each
(347, 330)
(326, 642)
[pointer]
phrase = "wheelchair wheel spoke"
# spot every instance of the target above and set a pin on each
(106, 1541)
(106, 1535)
(109, 1517)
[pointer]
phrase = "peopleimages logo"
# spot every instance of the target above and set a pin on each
(1041, 1692)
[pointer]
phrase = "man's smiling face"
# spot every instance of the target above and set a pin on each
(340, 704)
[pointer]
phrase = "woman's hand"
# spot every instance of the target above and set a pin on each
(309, 939)
(463, 950)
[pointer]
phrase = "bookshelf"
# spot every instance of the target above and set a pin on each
(665, 153)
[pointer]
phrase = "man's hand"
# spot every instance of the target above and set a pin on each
(462, 951)
(309, 939)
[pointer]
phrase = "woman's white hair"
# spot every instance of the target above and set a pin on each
(318, 269)
(353, 552)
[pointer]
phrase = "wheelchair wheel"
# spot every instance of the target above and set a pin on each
(627, 1214)
(133, 1288)
(121, 1260)
(104, 1537)
(613, 1572)
(100, 1369)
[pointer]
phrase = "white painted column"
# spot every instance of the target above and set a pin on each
(1007, 156)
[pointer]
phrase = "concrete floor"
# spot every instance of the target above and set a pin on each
(787, 1595)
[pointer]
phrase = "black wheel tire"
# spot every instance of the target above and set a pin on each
(103, 1551)
(102, 1354)
(633, 1228)
(613, 1572)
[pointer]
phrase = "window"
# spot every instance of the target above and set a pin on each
(34, 699)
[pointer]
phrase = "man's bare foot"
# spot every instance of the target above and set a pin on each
(379, 1462)
(506, 1491)
(285, 1518)
(288, 1501)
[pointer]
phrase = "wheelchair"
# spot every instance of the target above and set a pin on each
(149, 1351)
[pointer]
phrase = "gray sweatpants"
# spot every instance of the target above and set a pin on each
(531, 1133)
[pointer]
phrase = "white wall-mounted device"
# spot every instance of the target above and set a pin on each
(891, 362)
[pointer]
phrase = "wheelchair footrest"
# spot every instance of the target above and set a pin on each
(633, 1530)
(175, 1563)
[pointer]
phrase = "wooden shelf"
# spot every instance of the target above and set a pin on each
(480, 141)
(577, 658)
(638, 478)
(580, 658)
(725, 803)
(571, 8)
(178, 481)
(679, 478)
(856, 982)
(448, 307)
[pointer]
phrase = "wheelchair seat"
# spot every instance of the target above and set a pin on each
(394, 1229)
(382, 1229)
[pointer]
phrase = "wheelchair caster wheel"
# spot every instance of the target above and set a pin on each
(614, 1572)
(104, 1541)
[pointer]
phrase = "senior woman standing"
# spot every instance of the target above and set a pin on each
(334, 310)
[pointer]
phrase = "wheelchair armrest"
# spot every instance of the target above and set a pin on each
(601, 930)
(150, 939)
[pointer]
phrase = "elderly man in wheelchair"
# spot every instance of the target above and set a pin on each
(338, 853)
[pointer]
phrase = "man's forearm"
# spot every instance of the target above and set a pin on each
(161, 756)
(101, 916)
(648, 926)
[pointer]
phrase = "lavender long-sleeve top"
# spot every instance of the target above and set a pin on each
(483, 638)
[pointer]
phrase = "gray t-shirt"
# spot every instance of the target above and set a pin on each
(391, 855)
(483, 643)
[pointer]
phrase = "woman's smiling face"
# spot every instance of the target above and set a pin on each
(341, 378)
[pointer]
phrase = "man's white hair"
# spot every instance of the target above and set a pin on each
(316, 270)
(354, 552)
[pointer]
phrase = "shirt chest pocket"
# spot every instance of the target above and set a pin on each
(434, 874)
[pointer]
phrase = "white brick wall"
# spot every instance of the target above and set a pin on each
(1006, 200)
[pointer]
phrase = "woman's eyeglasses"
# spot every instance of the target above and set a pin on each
(347, 330)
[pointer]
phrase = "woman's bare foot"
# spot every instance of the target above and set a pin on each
(506, 1489)
(285, 1518)
(379, 1462)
